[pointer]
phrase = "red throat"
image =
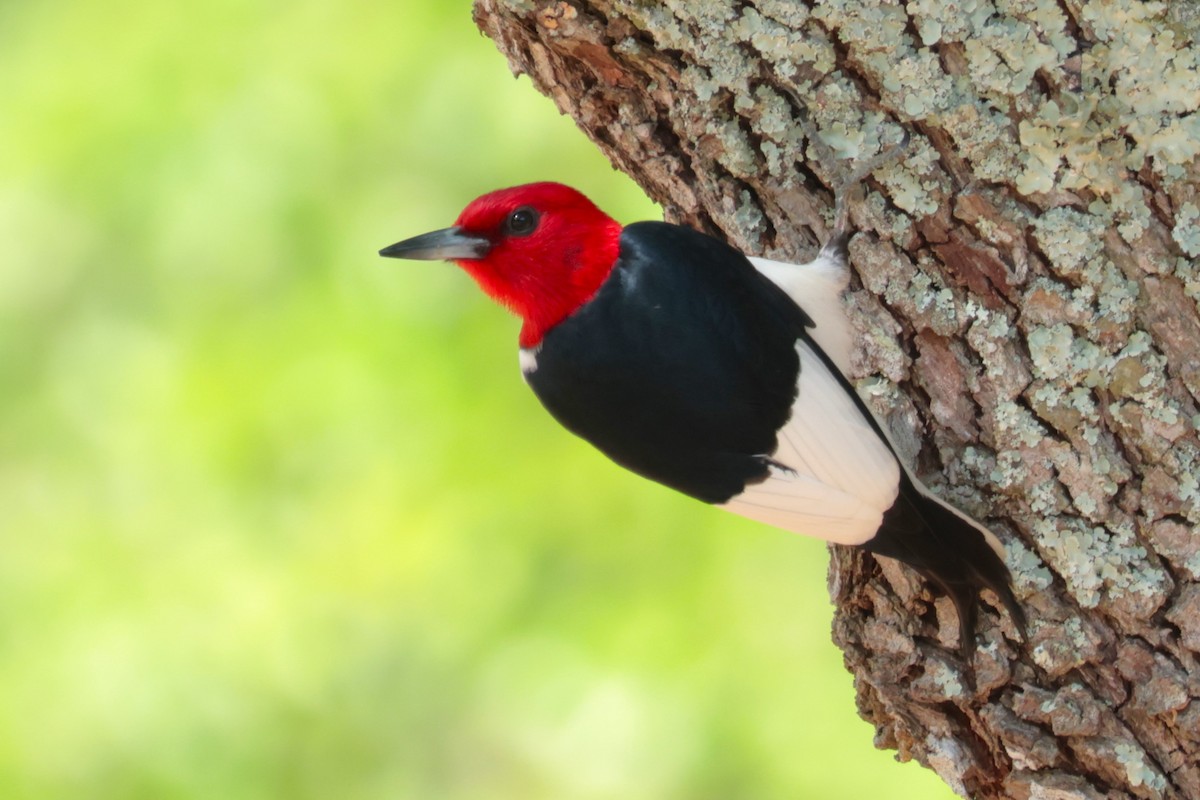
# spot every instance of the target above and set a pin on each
(546, 275)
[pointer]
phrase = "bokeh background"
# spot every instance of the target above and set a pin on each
(278, 518)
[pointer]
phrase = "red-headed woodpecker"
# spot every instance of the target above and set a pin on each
(717, 375)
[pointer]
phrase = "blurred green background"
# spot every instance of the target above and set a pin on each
(279, 518)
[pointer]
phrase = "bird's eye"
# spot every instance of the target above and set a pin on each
(521, 222)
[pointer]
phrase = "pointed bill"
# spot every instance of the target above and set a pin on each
(448, 244)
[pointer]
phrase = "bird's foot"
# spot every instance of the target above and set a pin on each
(837, 247)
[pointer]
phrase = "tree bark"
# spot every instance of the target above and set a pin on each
(1026, 295)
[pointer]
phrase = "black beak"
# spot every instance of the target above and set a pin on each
(448, 244)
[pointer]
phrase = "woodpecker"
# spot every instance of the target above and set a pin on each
(715, 374)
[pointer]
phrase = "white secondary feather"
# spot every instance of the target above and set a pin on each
(817, 288)
(839, 476)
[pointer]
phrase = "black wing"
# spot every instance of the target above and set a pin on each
(683, 366)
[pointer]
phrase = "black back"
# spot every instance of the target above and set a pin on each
(682, 367)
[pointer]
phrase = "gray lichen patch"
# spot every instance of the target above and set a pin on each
(1029, 572)
(1100, 563)
(1187, 232)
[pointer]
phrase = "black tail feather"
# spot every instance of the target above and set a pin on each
(951, 553)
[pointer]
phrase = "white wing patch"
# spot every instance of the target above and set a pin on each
(817, 287)
(840, 476)
(846, 476)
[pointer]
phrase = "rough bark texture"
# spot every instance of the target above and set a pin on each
(1027, 296)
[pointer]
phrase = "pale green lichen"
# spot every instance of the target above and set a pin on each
(951, 22)
(1041, 156)
(701, 82)
(1049, 394)
(1139, 344)
(1010, 470)
(810, 47)
(910, 79)
(876, 389)
(1070, 239)
(735, 153)
(1056, 353)
(1173, 144)
(977, 461)
(747, 216)
(1050, 349)
(765, 35)
(1184, 461)
(989, 335)
(1073, 241)
(1028, 571)
(1186, 270)
(1016, 426)
(929, 298)
(1093, 560)
(1137, 104)
(915, 83)
(709, 18)
(784, 44)
(1085, 403)
(1072, 413)
(1018, 33)
(1004, 55)
(1116, 295)
(774, 118)
(1138, 770)
(995, 328)
(1189, 487)
(774, 157)
(908, 189)
(981, 134)
(1126, 210)
(1044, 498)
(864, 26)
(1186, 232)
(668, 33)
(894, 225)
(1137, 372)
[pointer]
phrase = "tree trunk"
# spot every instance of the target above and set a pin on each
(1027, 298)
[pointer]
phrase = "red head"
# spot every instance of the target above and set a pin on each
(541, 249)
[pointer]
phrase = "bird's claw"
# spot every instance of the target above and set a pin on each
(837, 246)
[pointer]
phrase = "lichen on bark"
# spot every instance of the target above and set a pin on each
(1026, 287)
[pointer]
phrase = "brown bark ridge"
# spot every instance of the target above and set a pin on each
(1027, 297)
